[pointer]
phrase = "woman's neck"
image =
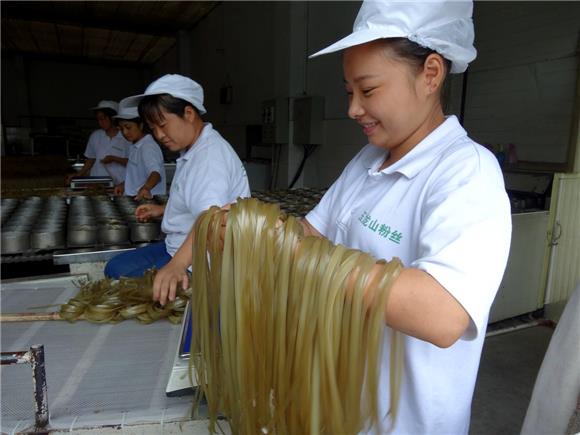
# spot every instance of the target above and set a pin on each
(139, 138)
(112, 132)
(197, 128)
(434, 120)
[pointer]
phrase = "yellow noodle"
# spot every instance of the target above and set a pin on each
(107, 301)
(284, 339)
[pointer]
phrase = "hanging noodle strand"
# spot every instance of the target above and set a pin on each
(284, 339)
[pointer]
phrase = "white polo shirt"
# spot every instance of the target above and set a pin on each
(145, 157)
(443, 209)
(101, 145)
(209, 173)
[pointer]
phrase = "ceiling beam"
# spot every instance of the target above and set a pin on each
(42, 11)
(84, 60)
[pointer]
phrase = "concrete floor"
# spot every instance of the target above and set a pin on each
(508, 370)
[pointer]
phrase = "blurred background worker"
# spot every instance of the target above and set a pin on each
(145, 173)
(107, 150)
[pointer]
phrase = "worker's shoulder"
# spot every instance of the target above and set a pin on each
(466, 154)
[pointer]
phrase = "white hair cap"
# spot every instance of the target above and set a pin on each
(441, 25)
(177, 86)
(127, 109)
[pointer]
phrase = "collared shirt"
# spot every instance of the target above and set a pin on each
(209, 173)
(101, 145)
(145, 158)
(443, 209)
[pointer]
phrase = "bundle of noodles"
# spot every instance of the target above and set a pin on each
(284, 339)
(108, 301)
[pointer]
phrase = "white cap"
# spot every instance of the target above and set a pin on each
(106, 104)
(177, 86)
(127, 110)
(443, 26)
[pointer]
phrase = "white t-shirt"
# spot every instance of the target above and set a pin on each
(209, 173)
(443, 209)
(101, 145)
(145, 157)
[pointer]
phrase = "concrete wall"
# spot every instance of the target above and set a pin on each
(521, 86)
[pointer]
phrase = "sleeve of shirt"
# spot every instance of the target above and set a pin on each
(466, 233)
(208, 183)
(152, 159)
(91, 151)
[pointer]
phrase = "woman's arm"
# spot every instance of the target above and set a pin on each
(145, 190)
(417, 305)
(421, 307)
(174, 273)
(114, 159)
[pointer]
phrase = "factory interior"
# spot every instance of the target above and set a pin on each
(286, 117)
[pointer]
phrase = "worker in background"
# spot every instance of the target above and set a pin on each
(107, 150)
(208, 172)
(422, 191)
(145, 174)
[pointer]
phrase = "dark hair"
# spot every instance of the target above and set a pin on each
(151, 105)
(416, 54)
(144, 127)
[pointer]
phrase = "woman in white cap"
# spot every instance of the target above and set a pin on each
(208, 172)
(107, 150)
(424, 192)
(145, 174)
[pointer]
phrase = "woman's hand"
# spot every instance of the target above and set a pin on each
(167, 280)
(148, 211)
(108, 159)
(119, 189)
(143, 193)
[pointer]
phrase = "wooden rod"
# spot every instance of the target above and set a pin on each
(29, 317)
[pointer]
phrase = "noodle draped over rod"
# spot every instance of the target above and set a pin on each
(108, 301)
(284, 340)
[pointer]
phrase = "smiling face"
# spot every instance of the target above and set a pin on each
(175, 132)
(132, 131)
(395, 105)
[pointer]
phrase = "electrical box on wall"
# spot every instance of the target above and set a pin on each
(275, 121)
(308, 115)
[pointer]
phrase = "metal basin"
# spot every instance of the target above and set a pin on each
(47, 239)
(113, 234)
(82, 235)
(144, 231)
(15, 242)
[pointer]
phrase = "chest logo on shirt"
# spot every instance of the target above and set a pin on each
(381, 229)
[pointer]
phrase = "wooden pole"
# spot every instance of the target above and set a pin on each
(29, 317)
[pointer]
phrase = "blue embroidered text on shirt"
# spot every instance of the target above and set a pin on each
(382, 229)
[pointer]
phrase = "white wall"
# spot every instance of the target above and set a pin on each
(521, 86)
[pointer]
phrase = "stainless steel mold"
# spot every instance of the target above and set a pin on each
(144, 231)
(15, 242)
